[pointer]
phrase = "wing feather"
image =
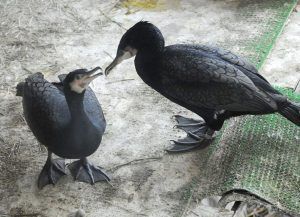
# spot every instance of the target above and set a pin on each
(239, 62)
(45, 107)
(209, 82)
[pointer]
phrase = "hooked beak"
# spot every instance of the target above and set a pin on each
(121, 55)
(88, 77)
(115, 62)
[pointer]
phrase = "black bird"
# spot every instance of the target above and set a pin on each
(67, 118)
(209, 81)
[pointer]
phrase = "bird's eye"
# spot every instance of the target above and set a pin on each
(77, 77)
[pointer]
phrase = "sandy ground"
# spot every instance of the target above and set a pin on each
(58, 36)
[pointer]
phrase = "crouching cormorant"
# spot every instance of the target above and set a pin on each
(67, 118)
(211, 82)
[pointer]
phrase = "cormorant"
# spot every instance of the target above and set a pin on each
(209, 81)
(67, 118)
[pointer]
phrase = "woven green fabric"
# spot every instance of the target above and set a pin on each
(262, 38)
(259, 154)
(260, 46)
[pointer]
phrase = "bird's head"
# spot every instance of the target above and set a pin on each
(78, 80)
(142, 36)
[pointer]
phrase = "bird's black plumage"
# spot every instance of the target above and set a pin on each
(214, 83)
(68, 123)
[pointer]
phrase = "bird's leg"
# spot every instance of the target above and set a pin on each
(83, 171)
(199, 135)
(52, 171)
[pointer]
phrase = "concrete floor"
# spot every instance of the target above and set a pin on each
(58, 36)
(283, 66)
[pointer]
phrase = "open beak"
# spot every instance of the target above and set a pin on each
(89, 75)
(121, 55)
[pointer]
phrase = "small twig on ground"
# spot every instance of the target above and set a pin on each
(27, 70)
(12, 150)
(187, 204)
(22, 118)
(108, 182)
(1, 139)
(123, 208)
(129, 79)
(21, 215)
(297, 87)
(115, 4)
(33, 215)
(257, 212)
(108, 54)
(194, 213)
(117, 23)
(134, 161)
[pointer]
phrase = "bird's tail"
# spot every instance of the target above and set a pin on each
(20, 89)
(291, 111)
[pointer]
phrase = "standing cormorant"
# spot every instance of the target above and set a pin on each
(67, 118)
(211, 82)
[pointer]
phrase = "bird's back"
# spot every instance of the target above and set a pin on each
(206, 77)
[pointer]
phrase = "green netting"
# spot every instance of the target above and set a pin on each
(259, 154)
(258, 49)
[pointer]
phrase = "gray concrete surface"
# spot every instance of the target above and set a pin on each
(283, 66)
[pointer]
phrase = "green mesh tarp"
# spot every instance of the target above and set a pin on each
(255, 155)
(269, 18)
(258, 49)
(260, 155)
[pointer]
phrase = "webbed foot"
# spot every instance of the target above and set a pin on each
(83, 171)
(51, 172)
(188, 124)
(199, 135)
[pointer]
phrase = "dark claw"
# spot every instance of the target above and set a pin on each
(187, 146)
(190, 125)
(90, 173)
(83, 171)
(199, 135)
(183, 121)
(185, 143)
(194, 136)
(181, 148)
(51, 172)
(203, 128)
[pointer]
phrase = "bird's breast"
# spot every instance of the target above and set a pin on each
(76, 141)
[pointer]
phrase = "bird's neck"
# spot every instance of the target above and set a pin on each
(148, 58)
(146, 64)
(75, 104)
